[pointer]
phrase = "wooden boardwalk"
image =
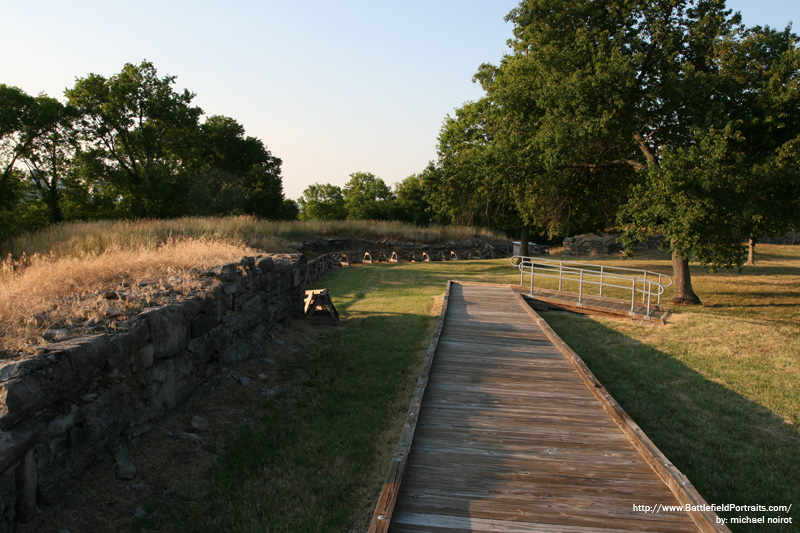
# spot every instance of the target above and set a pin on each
(509, 431)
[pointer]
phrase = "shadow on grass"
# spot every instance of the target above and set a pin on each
(312, 458)
(733, 450)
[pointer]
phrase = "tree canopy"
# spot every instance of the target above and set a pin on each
(322, 202)
(662, 117)
(128, 145)
(367, 197)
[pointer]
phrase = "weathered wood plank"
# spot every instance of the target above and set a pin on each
(432, 522)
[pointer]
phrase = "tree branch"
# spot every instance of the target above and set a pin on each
(652, 159)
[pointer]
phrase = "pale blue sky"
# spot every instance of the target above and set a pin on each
(331, 87)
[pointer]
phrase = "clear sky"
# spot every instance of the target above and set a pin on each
(331, 87)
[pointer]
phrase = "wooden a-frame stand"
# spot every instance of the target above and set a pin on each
(319, 307)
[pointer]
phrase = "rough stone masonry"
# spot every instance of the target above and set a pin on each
(66, 406)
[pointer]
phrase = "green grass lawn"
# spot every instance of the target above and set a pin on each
(717, 389)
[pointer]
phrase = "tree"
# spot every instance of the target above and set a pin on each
(322, 202)
(600, 95)
(691, 197)
(763, 68)
(49, 153)
(367, 197)
(470, 186)
(412, 204)
(239, 174)
(289, 210)
(87, 194)
(144, 129)
(36, 148)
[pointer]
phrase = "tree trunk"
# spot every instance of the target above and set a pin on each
(751, 250)
(682, 280)
(523, 241)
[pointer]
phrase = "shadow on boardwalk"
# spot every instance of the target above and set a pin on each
(510, 438)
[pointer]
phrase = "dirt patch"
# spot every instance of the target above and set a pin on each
(175, 452)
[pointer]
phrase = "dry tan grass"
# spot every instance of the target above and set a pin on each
(99, 290)
(80, 238)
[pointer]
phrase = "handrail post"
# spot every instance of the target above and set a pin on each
(633, 295)
(560, 274)
(661, 289)
(644, 284)
(601, 280)
(531, 278)
(580, 290)
(649, 295)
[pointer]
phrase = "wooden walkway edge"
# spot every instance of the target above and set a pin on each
(526, 443)
(387, 500)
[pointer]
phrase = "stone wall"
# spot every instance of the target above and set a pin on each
(591, 244)
(66, 406)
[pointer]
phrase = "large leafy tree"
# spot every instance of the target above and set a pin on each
(367, 196)
(764, 69)
(412, 200)
(15, 108)
(15, 135)
(239, 174)
(144, 130)
(49, 154)
(36, 150)
(471, 185)
(322, 202)
(599, 95)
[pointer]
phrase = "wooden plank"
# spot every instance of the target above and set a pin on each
(431, 522)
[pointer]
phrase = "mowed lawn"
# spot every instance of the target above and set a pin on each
(717, 389)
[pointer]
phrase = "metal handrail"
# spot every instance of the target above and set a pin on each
(648, 284)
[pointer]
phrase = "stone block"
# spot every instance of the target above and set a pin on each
(247, 262)
(190, 307)
(27, 394)
(168, 331)
(8, 498)
(15, 444)
(145, 357)
(201, 324)
(162, 388)
(242, 350)
(231, 287)
(26, 485)
(228, 272)
(87, 356)
(264, 264)
(185, 378)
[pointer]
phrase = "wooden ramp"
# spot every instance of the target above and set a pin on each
(509, 431)
(595, 304)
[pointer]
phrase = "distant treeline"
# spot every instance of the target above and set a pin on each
(128, 146)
